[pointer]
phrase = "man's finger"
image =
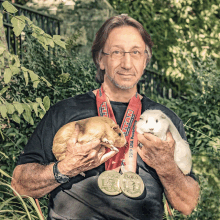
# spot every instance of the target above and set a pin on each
(150, 136)
(143, 140)
(95, 143)
(107, 156)
(170, 138)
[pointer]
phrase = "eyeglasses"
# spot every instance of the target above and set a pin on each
(119, 54)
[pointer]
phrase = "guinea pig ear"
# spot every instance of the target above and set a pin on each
(116, 127)
(163, 116)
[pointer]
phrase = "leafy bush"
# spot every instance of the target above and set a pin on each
(201, 122)
(46, 75)
(182, 31)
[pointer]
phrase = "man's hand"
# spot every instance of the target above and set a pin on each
(181, 191)
(156, 153)
(80, 158)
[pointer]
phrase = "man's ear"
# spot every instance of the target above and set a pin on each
(101, 63)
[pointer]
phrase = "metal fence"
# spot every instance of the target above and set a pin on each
(154, 83)
(49, 24)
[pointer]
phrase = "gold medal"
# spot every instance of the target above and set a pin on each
(131, 184)
(108, 182)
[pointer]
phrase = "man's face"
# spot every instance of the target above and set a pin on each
(123, 73)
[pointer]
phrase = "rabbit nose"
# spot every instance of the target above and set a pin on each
(151, 129)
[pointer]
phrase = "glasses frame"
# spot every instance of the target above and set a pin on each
(145, 51)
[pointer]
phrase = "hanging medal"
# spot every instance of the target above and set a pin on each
(126, 159)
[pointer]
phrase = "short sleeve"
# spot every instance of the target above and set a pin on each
(39, 146)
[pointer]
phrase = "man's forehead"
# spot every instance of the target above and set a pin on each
(126, 36)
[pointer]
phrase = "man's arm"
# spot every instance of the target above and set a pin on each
(181, 191)
(36, 180)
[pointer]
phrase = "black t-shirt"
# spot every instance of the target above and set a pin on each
(81, 198)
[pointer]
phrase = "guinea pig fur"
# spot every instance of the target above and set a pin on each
(157, 123)
(102, 128)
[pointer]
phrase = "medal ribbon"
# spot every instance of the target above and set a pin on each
(126, 158)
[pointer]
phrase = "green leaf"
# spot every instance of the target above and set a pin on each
(50, 41)
(28, 20)
(26, 77)
(2, 49)
(17, 61)
(57, 40)
(48, 84)
(41, 114)
(2, 63)
(198, 142)
(4, 90)
(16, 118)
(15, 70)
(3, 110)
(9, 7)
(27, 113)
(207, 126)
(4, 154)
(44, 45)
(10, 108)
(37, 30)
(18, 107)
(35, 84)
(4, 173)
(34, 76)
(28, 118)
(24, 69)
(1, 19)
(39, 100)
(18, 23)
(35, 107)
(46, 102)
(7, 75)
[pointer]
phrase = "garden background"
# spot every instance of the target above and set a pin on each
(186, 59)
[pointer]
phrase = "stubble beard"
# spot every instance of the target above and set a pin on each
(123, 87)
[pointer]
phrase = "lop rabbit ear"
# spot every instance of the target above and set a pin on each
(163, 116)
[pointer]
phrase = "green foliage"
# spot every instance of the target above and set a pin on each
(9, 205)
(186, 49)
(182, 31)
(45, 75)
(200, 115)
(201, 121)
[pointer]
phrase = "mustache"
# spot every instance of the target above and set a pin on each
(125, 72)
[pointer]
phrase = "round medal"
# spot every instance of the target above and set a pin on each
(108, 182)
(131, 184)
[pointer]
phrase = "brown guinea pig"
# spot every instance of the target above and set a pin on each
(102, 128)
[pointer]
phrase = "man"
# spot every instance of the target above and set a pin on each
(121, 51)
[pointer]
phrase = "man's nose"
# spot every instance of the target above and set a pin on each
(126, 61)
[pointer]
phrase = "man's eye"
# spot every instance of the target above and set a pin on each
(116, 52)
(135, 52)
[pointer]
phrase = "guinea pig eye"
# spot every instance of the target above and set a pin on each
(156, 120)
(146, 121)
(119, 134)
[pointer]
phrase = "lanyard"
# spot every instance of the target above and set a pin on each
(126, 158)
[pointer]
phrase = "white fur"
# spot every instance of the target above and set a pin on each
(157, 123)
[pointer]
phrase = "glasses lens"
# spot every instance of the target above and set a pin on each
(117, 54)
(136, 54)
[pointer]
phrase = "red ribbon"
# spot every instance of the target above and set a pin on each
(126, 158)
